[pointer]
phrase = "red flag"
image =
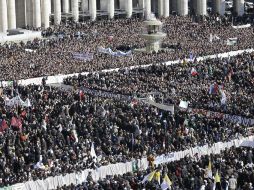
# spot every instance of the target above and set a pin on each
(23, 113)
(194, 72)
(15, 122)
(81, 95)
(3, 125)
(134, 102)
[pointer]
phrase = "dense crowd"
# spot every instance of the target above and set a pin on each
(202, 89)
(55, 134)
(233, 169)
(54, 54)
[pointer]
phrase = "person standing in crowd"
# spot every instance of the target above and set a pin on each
(232, 183)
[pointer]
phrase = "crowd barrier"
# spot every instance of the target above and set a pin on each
(59, 78)
(76, 178)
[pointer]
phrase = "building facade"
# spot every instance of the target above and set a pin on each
(37, 13)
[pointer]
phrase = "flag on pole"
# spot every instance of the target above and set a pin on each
(148, 177)
(223, 98)
(3, 125)
(134, 166)
(166, 184)
(92, 153)
(211, 38)
(217, 177)
(81, 95)
(157, 176)
(133, 102)
(214, 88)
(194, 72)
(132, 139)
(209, 170)
(1, 92)
(15, 122)
(10, 83)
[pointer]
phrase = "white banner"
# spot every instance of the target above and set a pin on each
(59, 78)
(231, 41)
(183, 104)
(165, 158)
(242, 26)
(248, 144)
(122, 168)
(110, 52)
(232, 118)
(160, 106)
(16, 101)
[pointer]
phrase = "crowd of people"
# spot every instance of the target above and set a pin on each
(203, 84)
(47, 131)
(233, 169)
(54, 54)
(55, 133)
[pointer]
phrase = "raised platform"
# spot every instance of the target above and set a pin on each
(19, 35)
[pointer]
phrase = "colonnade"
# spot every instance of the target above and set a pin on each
(37, 12)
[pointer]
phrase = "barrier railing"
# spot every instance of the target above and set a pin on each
(122, 168)
(59, 78)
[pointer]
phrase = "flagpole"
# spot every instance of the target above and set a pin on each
(132, 139)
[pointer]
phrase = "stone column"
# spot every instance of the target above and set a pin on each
(45, 13)
(141, 4)
(239, 7)
(160, 8)
(84, 5)
(3, 16)
(193, 7)
(128, 8)
(220, 7)
(37, 13)
(201, 7)
(75, 10)
(122, 4)
(50, 7)
(182, 7)
(29, 12)
(103, 5)
(92, 9)
(11, 12)
(166, 8)
(111, 9)
(66, 6)
(173, 5)
(57, 12)
(147, 8)
(20, 13)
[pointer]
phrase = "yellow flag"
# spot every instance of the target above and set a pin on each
(166, 184)
(157, 176)
(151, 176)
(184, 61)
(209, 170)
(148, 177)
(217, 177)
